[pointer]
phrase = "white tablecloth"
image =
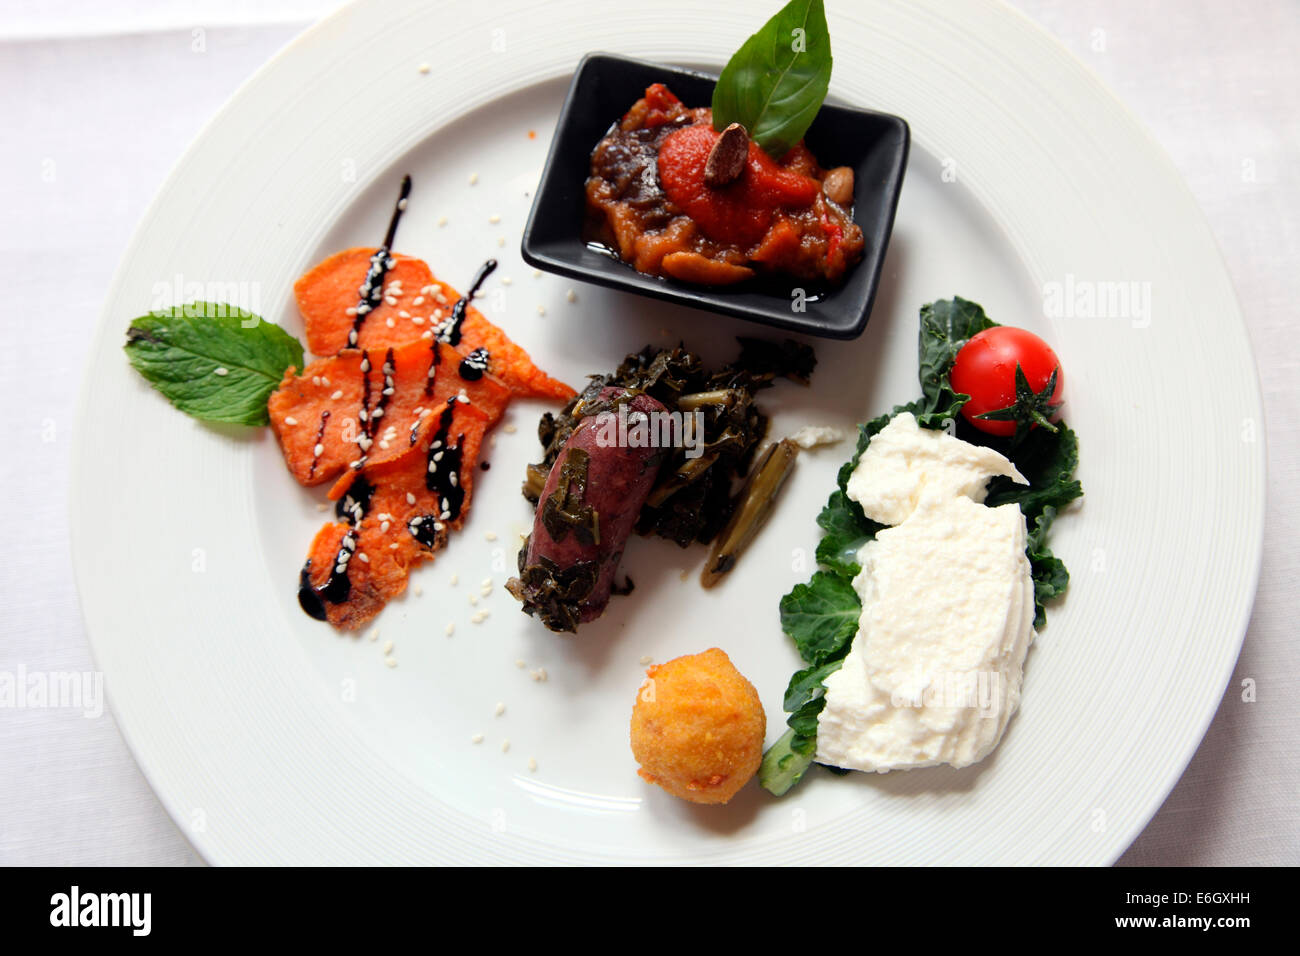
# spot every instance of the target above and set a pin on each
(101, 99)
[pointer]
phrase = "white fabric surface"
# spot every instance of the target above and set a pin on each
(100, 101)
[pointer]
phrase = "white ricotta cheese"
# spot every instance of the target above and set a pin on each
(934, 672)
(810, 436)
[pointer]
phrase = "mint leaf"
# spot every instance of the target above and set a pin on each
(776, 82)
(213, 361)
(821, 616)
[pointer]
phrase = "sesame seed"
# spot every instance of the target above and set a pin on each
(501, 241)
(506, 280)
(410, 498)
(646, 659)
(539, 674)
(541, 310)
(473, 178)
(318, 449)
(324, 380)
(390, 661)
(417, 320)
(501, 709)
(487, 582)
(374, 634)
(389, 300)
(315, 379)
(350, 310)
(571, 296)
(424, 68)
(473, 599)
(494, 218)
(451, 628)
(337, 394)
(532, 763)
(290, 420)
(509, 429)
(442, 220)
(479, 617)
(491, 535)
(521, 663)
(390, 323)
(384, 526)
(476, 739)
(393, 546)
(322, 506)
(505, 746)
(537, 273)
(221, 370)
(486, 590)
(455, 580)
(427, 335)
(363, 556)
(388, 648)
(419, 591)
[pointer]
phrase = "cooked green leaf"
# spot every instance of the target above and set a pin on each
(847, 530)
(215, 362)
(776, 82)
(1048, 461)
(946, 325)
(783, 766)
(821, 616)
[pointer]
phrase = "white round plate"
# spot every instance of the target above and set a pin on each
(271, 739)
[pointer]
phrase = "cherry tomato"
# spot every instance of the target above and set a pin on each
(985, 369)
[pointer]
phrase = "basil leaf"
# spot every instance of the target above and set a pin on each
(214, 362)
(776, 82)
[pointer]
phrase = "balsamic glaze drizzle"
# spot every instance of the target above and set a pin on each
(371, 293)
(320, 433)
(335, 590)
(442, 477)
(354, 504)
(473, 366)
(449, 331)
(435, 359)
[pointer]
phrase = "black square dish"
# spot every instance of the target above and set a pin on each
(603, 89)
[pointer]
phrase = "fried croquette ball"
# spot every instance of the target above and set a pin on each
(698, 727)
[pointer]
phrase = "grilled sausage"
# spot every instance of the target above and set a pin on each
(586, 512)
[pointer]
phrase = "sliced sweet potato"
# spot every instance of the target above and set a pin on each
(316, 416)
(327, 296)
(404, 517)
(508, 362)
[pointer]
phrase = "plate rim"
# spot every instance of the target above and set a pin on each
(104, 331)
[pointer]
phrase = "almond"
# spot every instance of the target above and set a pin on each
(838, 185)
(727, 158)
